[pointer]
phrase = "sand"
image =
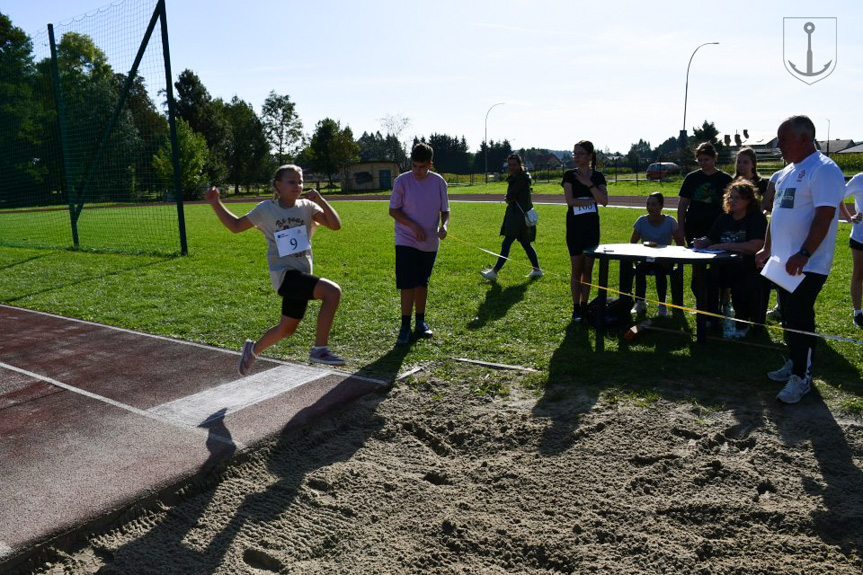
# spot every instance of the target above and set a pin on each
(433, 476)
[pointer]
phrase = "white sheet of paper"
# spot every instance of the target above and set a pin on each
(774, 270)
(292, 240)
(588, 209)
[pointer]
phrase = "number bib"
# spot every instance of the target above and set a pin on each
(579, 210)
(292, 240)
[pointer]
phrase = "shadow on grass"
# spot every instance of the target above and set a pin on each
(840, 486)
(497, 303)
(61, 285)
(188, 540)
(22, 261)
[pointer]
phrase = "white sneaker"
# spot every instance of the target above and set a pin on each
(662, 311)
(740, 331)
(247, 357)
(490, 275)
(783, 373)
(534, 274)
(775, 313)
(639, 307)
(794, 390)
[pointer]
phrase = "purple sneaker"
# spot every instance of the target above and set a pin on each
(324, 355)
(247, 358)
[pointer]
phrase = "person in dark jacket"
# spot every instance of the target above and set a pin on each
(514, 227)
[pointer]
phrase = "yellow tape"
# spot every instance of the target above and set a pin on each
(680, 307)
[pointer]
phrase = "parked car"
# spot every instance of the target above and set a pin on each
(661, 170)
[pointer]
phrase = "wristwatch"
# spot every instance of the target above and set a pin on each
(805, 253)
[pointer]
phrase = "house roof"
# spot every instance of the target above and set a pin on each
(858, 149)
(836, 145)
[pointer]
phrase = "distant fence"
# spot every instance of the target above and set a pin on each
(95, 163)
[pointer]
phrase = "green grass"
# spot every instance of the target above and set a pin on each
(220, 294)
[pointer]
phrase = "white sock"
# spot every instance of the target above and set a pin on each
(858, 312)
(320, 347)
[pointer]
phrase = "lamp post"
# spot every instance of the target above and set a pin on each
(828, 136)
(686, 96)
(485, 139)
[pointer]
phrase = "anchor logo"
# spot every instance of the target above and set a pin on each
(824, 40)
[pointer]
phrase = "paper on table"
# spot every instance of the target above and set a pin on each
(774, 270)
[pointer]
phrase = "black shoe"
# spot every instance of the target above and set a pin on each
(423, 330)
(858, 320)
(404, 335)
(577, 315)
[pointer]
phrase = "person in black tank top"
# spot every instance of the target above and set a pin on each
(584, 188)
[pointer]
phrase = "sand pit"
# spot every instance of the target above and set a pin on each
(435, 477)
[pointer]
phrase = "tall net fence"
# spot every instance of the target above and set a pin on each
(86, 156)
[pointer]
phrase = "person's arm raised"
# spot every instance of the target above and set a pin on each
(234, 223)
(329, 217)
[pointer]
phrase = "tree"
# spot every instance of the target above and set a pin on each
(708, 133)
(497, 154)
(90, 96)
(667, 149)
(394, 126)
(193, 161)
(248, 148)
(451, 154)
(331, 148)
(282, 126)
(205, 115)
(373, 147)
(18, 115)
(152, 128)
(639, 154)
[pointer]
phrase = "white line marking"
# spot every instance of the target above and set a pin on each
(497, 365)
(117, 404)
(184, 342)
(197, 409)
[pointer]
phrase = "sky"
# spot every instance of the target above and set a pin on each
(610, 72)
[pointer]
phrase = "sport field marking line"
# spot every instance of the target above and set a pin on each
(184, 342)
(118, 404)
(496, 365)
(199, 408)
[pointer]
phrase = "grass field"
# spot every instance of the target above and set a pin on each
(220, 294)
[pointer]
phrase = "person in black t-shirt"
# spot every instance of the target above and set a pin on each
(584, 188)
(746, 166)
(741, 229)
(701, 194)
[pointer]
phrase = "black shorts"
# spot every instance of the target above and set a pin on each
(296, 291)
(854, 244)
(582, 232)
(413, 267)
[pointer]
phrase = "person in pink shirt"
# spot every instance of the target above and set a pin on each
(420, 207)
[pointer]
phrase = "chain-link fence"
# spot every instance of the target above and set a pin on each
(87, 159)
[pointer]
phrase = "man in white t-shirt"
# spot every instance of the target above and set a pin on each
(802, 235)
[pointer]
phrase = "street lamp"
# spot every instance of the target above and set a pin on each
(686, 96)
(485, 139)
(828, 136)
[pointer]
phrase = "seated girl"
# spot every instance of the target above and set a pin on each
(741, 229)
(659, 229)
